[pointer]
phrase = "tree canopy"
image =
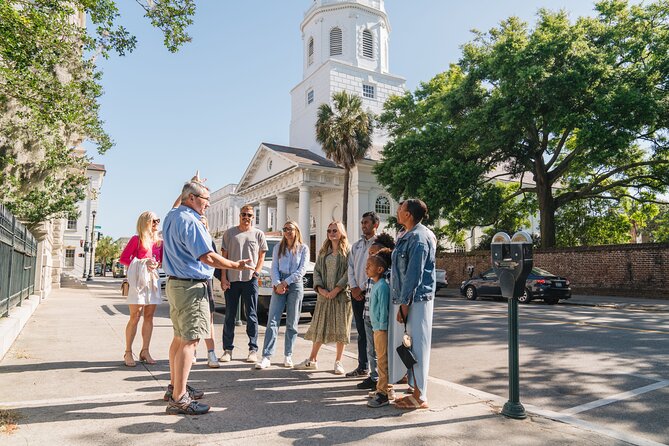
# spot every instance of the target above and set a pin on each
(545, 116)
(49, 90)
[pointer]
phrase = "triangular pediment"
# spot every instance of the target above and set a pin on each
(265, 164)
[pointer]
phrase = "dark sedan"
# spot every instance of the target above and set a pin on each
(540, 284)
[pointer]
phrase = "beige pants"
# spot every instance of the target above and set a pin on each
(381, 346)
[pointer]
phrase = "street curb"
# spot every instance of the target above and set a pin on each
(11, 326)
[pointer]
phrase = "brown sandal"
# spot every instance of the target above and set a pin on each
(129, 362)
(410, 402)
(146, 357)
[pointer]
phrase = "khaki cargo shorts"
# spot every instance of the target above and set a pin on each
(189, 309)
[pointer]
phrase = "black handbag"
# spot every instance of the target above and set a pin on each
(404, 350)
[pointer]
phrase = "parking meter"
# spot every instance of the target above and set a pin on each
(512, 261)
(470, 270)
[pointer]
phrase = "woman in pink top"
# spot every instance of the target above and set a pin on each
(147, 249)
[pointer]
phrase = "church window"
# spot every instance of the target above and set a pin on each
(310, 96)
(382, 205)
(335, 42)
(368, 91)
(310, 51)
(367, 44)
(69, 258)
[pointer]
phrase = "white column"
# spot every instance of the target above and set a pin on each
(305, 213)
(262, 223)
(280, 210)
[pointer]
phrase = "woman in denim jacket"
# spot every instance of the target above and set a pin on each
(412, 288)
(289, 264)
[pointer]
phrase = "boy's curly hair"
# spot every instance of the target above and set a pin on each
(386, 240)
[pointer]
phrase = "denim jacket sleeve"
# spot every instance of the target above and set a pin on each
(301, 260)
(417, 254)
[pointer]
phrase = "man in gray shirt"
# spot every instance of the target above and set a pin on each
(242, 242)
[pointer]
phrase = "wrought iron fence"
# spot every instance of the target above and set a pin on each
(18, 257)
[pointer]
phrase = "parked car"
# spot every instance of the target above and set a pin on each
(265, 285)
(540, 284)
(119, 270)
(442, 279)
(162, 282)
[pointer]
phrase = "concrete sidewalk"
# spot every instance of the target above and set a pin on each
(65, 382)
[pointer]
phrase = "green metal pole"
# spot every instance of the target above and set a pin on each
(513, 408)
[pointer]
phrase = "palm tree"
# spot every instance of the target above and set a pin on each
(345, 133)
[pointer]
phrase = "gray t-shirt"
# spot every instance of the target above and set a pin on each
(243, 245)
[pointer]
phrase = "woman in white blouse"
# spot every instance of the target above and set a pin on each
(289, 263)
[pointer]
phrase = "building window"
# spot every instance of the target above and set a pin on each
(368, 91)
(367, 44)
(382, 205)
(72, 223)
(310, 96)
(69, 258)
(335, 42)
(310, 51)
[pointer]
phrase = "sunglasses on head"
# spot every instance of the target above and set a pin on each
(246, 214)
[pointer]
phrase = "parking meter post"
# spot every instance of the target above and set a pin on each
(238, 317)
(512, 261)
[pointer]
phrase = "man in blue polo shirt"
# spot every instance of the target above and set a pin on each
(189, 261)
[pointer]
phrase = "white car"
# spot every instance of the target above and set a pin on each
(442, 280)
(265, 285)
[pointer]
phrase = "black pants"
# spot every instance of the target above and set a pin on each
(358, 309)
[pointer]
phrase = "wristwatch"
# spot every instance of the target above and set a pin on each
(255, 274)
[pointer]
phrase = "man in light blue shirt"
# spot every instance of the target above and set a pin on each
(189, 262)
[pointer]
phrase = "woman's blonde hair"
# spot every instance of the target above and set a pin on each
(145, 229)
(343, 241)
(297, 242)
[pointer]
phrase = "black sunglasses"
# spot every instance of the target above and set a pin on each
(287, 229)
(246, 214)
(156, 220)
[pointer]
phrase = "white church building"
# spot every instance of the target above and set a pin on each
(345, 47)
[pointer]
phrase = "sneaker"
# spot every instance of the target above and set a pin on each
(186, 406)
(252, 357)
(366, 384)
(193, 393)
(288, 362)
(357, 373)
(338, 368)
(307, 364)
(265, 363)
(380, 400)
(213, 361)
(390, 394)
(227, 356)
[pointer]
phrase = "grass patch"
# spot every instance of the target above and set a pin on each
(9, 420)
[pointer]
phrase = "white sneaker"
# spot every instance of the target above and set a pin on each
(265, 363)
(339, 368)
(252, 357)
(213, 361)
(288, 362)
(306, 365)
(227, 356)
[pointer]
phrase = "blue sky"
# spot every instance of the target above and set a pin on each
(210, 105)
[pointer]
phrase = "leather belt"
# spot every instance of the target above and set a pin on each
(186, 280)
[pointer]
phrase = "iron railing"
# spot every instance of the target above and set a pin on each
(18, 257)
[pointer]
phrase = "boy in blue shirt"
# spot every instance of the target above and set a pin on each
(379, 302)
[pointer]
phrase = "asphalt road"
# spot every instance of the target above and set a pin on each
(600, 365)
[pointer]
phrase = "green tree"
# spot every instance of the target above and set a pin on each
(658, 226)
(49, 90)
(345, 133)
(106, 251)
(567, 111)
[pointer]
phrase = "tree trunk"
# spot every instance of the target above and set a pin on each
(546, 208)
(344, 214)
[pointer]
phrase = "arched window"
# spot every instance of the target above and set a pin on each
(310, 51)
(367, 44)
(335, 42)
(382, 205)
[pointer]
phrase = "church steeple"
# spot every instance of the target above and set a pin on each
(345, 44)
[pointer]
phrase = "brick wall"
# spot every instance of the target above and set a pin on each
(637, 270)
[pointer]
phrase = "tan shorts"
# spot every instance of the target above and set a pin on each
(189, 309)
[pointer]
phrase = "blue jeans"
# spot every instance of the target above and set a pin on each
(292, 302)
(358, 308)
(248, 291)
(371, 351)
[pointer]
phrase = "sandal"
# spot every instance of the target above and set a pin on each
(410, 402)
(129, 362)
(409, 390)
(146, 357)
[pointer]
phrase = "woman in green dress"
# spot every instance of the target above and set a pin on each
(333, 314)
